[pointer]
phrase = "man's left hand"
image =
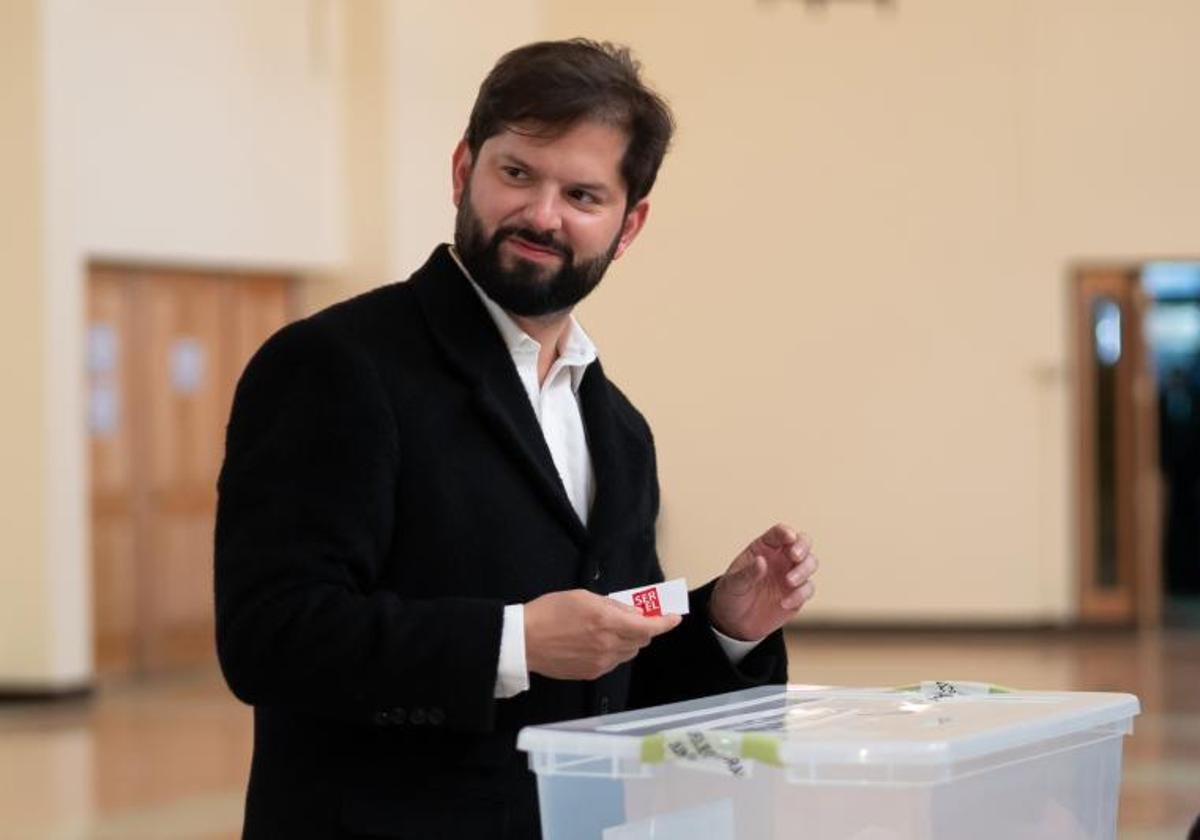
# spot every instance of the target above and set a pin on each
(765, 585)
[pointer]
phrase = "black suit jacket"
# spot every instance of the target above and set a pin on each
(386, 490)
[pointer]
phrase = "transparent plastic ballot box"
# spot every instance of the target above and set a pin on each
(945, 760)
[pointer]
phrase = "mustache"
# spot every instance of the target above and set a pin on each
(533, 237)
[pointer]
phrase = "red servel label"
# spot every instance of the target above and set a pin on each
(647, 601)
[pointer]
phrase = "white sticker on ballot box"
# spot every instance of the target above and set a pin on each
(666, 598)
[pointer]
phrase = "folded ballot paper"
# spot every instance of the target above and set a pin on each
(666, 598)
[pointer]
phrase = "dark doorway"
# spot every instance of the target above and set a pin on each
(1173, 332)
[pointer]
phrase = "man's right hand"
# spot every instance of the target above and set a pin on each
(579, 635)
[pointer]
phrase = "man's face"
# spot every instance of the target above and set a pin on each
(540, 218)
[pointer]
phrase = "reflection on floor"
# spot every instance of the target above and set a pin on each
(1182, 611)
(167, 758)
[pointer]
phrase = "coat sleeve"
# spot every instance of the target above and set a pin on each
(305, 518)
(689, 662)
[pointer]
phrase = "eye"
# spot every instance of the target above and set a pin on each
(583, 197)
(514, 173)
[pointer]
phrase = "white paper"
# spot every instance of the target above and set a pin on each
(666, 598)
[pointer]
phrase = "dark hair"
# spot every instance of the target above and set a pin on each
(555, 84)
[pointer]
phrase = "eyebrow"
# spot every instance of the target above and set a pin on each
(597, 187)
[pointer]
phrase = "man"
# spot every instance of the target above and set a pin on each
(429, 489)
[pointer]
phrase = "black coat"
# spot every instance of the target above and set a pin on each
(386, 490)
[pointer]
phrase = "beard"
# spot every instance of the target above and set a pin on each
(527, 288)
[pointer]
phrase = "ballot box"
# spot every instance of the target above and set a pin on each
(945, 760)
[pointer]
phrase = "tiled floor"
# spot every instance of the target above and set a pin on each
(167, 758)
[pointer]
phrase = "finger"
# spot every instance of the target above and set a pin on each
(616, 649)
(803, 571)
(640, 629)
(670, 622)
(802, 595)
(778, 536)
(621, 619)
(661, 624)
(800, 549)
(630, 629)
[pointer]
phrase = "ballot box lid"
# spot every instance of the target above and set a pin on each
(925, 732)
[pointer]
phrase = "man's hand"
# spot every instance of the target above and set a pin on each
(765, 585)
(579, 635)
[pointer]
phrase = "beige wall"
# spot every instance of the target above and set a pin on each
(24, 634)
(203, 131)
(365, 157)
(848, 307)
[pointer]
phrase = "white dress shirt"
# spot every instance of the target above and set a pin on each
(556, 404)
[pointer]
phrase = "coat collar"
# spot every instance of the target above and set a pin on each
(575, 348)
(473, 347)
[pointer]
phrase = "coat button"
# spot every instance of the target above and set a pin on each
(417, 717)
(436, 716)
(397, 715)
(596, 574)
(381, 718)
(604, 704)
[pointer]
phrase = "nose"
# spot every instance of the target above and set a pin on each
(542, 212)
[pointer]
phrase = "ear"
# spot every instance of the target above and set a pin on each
(460, 170)
(635, 219)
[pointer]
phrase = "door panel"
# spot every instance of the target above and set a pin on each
(184, 403)
(1117, 466)
(115, 598)
(185, 338)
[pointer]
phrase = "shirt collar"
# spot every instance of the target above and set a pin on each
(575, 347)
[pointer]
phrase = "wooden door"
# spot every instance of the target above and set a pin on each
(165, 350)
(114, 500)
(1119, 522)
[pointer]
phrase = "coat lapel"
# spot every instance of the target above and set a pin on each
(609, 460)
(473, 346)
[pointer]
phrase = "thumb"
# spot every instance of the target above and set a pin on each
(667, 623)
(750, 574)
